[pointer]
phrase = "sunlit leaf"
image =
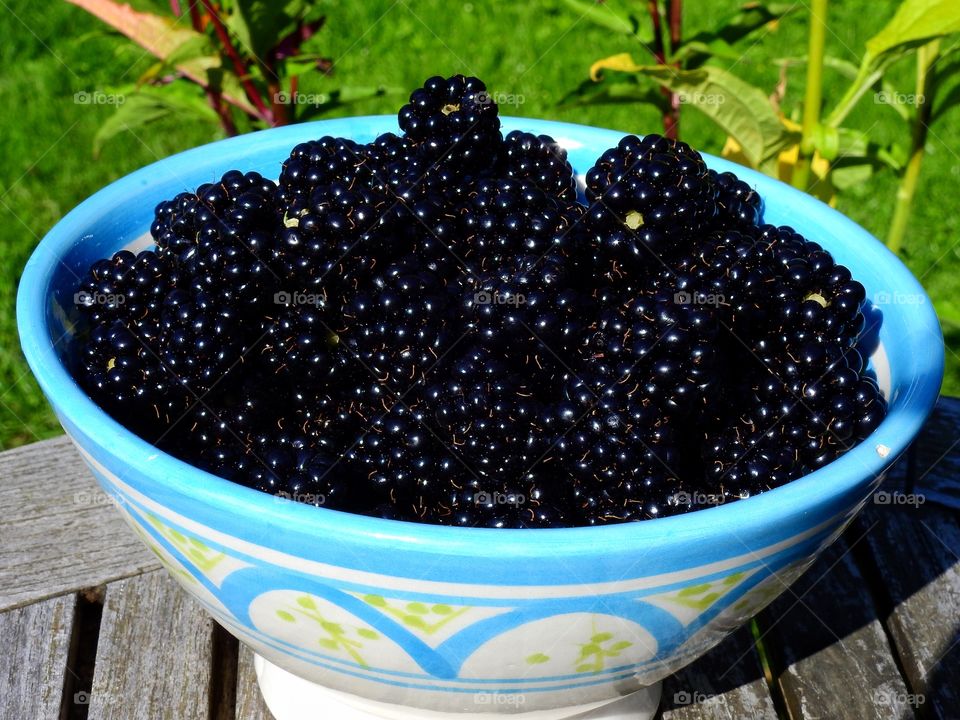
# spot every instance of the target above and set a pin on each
(602, 14)
(621, 62)
(186, 102)
(742, 110)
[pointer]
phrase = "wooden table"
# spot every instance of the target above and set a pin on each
(91, 627)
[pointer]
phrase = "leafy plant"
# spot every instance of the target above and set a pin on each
(233, 63)
(820, 155)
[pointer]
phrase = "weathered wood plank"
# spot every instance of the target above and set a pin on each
(58, 532)
(827, 648)
(35, 642)
(937, 464)
(914, 554)
(725, 684)
(250, 704)
(154, 653)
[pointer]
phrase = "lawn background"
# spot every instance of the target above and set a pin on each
(534, 51)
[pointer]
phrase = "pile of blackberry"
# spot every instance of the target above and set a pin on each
(434, 327)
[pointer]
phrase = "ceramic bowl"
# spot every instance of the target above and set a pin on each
(380, 618)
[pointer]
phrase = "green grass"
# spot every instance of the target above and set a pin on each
(535, 52)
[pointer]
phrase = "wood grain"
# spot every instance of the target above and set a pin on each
(725, 684)
(828, 650)
(915, 554)
(58, 533)
(154, 655)
(35, 642)
(250, 704)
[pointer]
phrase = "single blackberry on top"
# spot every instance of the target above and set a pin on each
(453, 121)
(226, 210)
(738, 204)
(236, 241)
(541, 160)
(657, 188)
(319, 162)
(126, 287)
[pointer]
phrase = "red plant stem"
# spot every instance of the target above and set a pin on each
(253, 95)
(658, 51)
(672, 128)
(670, 117)
(195, 17)
(175, 6)
(280, 110)
(213, 96)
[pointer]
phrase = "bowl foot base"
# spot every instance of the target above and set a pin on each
(292, 698)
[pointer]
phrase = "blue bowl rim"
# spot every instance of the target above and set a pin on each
(805, 495)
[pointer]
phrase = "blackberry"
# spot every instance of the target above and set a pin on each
(540, 160)
(191, 225)
(120, 369)
(126, 287)
(300, 344)
(738, 204)
(316, 163)
(202, 340)
(500, 220)
(400, 324)
(657, 188)
(453, 121)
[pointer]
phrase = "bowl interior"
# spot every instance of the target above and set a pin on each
(905, 344)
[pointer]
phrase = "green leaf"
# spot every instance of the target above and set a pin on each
(740, 109)
(152, 104)
(261, 24)
(600, 13)
(537, 659)
(916, 22)
(285, 616)
(329, 644)
(735, 27)
(161, 37)
(368, 634)
(601, 637)
(622, 645)
(375, 600)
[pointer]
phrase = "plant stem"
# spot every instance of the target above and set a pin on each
(660, 41)
(863, 82)
(676, 38)
(926, 57)
(814, 93)
(214, 97)
(239, 66)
